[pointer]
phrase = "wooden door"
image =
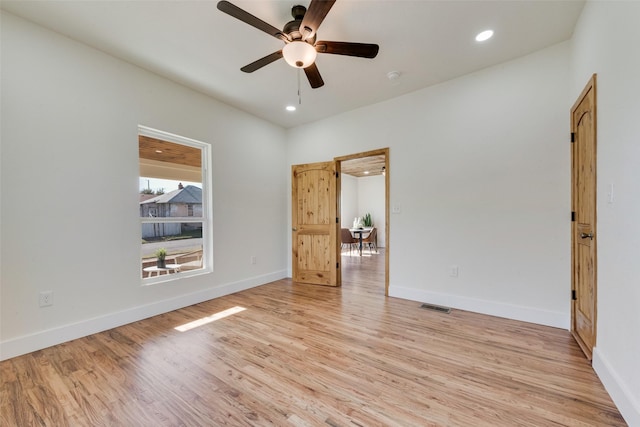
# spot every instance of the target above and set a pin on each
(584, 240)
(315, 223)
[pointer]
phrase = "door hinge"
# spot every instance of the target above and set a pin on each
(337, 220)
(573, 216)
(337, 174)
(337, 265)
(573, 295)
(573, 137)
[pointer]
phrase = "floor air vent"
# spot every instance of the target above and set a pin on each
(436, 308)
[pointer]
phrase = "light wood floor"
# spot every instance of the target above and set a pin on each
(304, 355)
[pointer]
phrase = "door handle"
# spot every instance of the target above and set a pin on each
(294, 229)
(585, 235)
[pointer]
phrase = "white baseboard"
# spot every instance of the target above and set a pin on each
(37, 341)
(492, 308)
(628, 406)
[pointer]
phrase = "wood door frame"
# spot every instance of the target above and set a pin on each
(591, 85)
(378, 152)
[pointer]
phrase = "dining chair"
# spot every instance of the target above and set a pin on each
(190, 260)
(347, 239)
(371, 240)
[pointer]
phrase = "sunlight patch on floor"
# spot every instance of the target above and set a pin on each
(356, 254)
(217, 316)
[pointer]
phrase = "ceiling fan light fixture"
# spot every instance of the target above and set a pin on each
(299, 54)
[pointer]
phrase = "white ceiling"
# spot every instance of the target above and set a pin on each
(193, 43)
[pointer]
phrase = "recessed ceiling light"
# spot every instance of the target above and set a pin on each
(158, 151)
(485, 35)
(291, 108)
(366, 172)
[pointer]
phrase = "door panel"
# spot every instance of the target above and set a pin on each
(583, 125)
(585, 278)
(314, 224)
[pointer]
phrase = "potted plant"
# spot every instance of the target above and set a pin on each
(367, 221)
(161, 254)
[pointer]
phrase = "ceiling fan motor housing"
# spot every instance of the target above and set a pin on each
(292, 28)
(298, 12)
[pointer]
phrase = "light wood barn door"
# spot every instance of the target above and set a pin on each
(584, 272)
(315, 223)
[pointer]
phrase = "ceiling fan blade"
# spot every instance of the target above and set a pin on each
(315, 79)
(256, 65)
(362, 50)
(314, 16)
(246, 17)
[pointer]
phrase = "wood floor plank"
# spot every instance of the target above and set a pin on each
(304, 355)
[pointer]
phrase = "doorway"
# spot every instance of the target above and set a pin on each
(369, 164)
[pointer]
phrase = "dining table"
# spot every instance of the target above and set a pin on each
(359, 232)
(166, 269)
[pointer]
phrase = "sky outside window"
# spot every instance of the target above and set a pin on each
(167, 184)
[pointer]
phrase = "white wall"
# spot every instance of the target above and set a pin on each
(480, 170)
(606, 42)
(69, 176)
(348, 200)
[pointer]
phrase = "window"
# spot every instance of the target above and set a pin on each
(174, 206)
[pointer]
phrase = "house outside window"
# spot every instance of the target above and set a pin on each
(174, 206)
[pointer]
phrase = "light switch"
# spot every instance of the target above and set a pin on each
(395, 209)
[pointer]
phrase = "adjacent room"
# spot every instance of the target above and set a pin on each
(500, 290)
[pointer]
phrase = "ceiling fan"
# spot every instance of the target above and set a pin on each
(299, 37)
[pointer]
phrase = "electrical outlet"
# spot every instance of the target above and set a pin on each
(253, 259)
(46, 298)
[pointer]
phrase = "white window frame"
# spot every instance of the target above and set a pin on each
(207, 211)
